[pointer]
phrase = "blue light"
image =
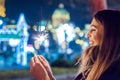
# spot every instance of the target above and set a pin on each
(1, 22)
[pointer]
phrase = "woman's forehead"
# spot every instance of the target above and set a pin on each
(95, 23)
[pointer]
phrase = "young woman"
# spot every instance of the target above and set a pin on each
(101, 61)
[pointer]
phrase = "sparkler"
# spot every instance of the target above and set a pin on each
(40, 38)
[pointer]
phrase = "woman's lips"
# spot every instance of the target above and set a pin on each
(91, 42)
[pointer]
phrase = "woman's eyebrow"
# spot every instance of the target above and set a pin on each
(93, 25)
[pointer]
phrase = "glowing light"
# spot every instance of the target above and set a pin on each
(1, 22)
(81, 34)
(87, 26)
(78, 41)
(42, 28)
(29, 48)
(2, 8)
(65, 32)
(69, 51)
(46, 43)
(14, 42)
(77, 29)
(41, 37)
(35, 28)
(61, 5)
(21, 24)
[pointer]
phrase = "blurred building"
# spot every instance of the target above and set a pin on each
(13, 43)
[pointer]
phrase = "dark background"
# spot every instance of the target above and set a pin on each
(36, 10)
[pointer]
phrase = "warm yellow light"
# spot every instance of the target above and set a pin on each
(78, 41)
(2, 8)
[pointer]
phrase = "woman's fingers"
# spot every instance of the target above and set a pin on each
(43, 58)
(39, 68)
(36, 60)
(32, 63)
(43, 61)
(40, 59)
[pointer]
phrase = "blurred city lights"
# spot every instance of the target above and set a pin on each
(1, 22)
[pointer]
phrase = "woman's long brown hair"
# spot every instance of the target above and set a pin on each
(96, 59)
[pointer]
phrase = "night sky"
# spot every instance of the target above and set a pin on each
(35, 10)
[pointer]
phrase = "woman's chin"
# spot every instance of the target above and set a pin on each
(93, 45)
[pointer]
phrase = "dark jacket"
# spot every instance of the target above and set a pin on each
(112, 73)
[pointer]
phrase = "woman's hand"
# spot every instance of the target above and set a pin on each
(46, 66)
(37, 69)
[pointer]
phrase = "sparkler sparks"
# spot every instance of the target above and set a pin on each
(39, 39)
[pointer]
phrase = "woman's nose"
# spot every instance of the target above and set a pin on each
(88, 34)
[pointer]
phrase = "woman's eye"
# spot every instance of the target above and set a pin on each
(93, 29)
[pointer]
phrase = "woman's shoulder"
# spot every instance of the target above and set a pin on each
(112, 73)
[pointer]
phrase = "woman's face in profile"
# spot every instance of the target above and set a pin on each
(95, 33)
